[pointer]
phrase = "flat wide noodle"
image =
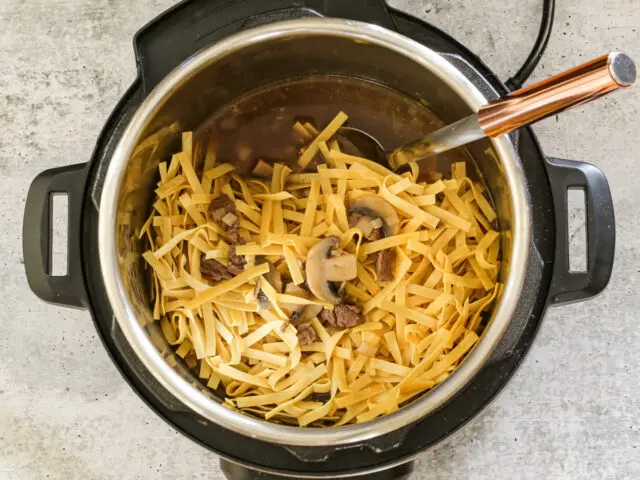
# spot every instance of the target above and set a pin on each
(229, 288)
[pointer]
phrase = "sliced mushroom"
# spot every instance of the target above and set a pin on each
(382, 221)
(323, 269)
(377, 223)
(364, 223)
(261, 298)
(341, 268)
(376, 207)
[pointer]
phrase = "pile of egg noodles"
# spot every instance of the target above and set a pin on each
(417, 327)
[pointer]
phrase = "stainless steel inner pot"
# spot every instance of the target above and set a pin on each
(221, 73)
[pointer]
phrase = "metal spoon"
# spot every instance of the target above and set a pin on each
(522, 107)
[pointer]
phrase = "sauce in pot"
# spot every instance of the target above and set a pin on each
(259, 124)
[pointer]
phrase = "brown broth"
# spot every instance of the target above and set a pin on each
(258, 125)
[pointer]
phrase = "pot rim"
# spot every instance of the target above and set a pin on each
(198, 401)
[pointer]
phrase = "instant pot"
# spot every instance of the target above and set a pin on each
(201, 55)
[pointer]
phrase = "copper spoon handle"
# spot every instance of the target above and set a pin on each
(553, 95)
(528, 105)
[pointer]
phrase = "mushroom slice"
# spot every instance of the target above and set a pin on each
(364, 223)
(375, 207)
(323, 269)
(261, 298)
(341, 268)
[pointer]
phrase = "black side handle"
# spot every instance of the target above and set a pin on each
(67, 290)
(234, 471)
(566, 285)
(370, 11)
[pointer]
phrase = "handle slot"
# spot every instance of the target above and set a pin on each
(566, 285)
(58, 262)
(577, 234)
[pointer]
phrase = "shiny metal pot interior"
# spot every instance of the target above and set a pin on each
(215, 77)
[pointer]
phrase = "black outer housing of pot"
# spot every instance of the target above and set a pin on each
(160, 47)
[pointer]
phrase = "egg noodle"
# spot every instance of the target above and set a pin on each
(239, 335)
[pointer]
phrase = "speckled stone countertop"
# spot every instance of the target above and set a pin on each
(572, 410)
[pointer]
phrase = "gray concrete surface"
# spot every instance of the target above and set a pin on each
(571, 411)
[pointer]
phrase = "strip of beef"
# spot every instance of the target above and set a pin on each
(384, 265)
(213, 270)
(342, 316)
(222, 210)
(236, 262)
(234, 232)
(221, 206)
(327, 316)
(306, 334)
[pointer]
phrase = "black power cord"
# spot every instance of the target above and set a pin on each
(540, 45)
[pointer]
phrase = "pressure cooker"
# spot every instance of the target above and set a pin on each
(201, 55)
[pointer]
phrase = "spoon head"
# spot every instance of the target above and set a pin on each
(364, 144)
